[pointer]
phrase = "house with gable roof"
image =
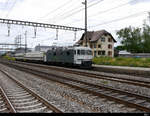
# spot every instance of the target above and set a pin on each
(101, 42)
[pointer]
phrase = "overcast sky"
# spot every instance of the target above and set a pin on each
(110, 15)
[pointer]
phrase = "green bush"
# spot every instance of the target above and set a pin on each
(9, 58)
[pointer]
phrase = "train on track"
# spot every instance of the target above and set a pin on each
(68, 56)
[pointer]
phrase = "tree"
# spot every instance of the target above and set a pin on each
(135, 40)
(146, 38)
(119, 48)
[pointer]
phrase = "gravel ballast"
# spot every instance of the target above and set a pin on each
(66, 98)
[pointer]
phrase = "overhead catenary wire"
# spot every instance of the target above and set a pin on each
(6, 4)
(119, 19)
(110, 9)
(64, 13)
(104, 11)
(82, 9)
(14, 3)
(62, 17)
(58, 8)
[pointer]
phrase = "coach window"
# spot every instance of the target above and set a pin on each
(61, 53)
(78, 52)
(82, 52)
(68, 53)
(75, 52)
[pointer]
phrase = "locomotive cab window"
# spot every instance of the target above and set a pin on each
(82, 52)
(78, 52)
(88, 52)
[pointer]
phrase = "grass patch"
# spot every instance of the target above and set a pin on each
(121, 61)
(104, 82)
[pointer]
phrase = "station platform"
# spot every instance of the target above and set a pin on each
(137, 71)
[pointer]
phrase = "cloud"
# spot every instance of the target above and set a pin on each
(48, 11)
(133, 2)
(9, 4)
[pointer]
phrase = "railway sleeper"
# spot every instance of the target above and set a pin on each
(129, 98)
(33, 110)
(14, 91)
(19, 97)
(16, 95)
(114, 94)
(2, 110)
(107, 92)
(122, 96)
(23, 100)
(26, 103)
(31, 106)
(140, 101)
(1, 102)
(2, 105)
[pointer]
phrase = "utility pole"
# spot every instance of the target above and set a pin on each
(85, 3)
(20, 40)
(86, 23)
(149, 17)
(25, 41)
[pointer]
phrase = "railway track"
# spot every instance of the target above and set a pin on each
(92, 75)
(139, 102)
(24, 100)
(5, 105)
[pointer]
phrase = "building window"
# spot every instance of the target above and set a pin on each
(95, 45)
(95, 53)
(109, 40)
(102, 39)
(99, 46)
(109, 53)
(101, 52)
(91, 46)
(110, 46)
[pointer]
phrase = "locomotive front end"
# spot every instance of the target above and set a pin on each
(83, 57)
